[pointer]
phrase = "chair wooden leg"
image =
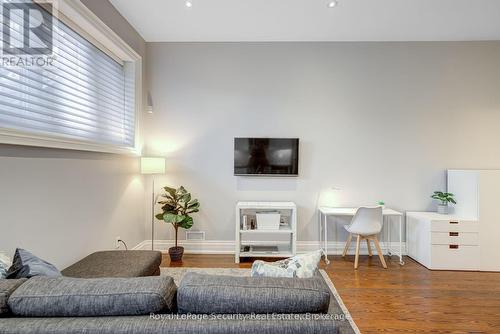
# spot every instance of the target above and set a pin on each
(347, 245)
(356, 259)
(379, 251)
(369, 247)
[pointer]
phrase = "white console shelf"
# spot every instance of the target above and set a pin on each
(265, 243)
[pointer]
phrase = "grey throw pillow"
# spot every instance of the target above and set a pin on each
(27, 265)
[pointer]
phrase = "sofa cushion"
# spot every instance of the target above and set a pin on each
(7, 287)
(201, 293)
(26, 265)
(132, 263)
(79, 297)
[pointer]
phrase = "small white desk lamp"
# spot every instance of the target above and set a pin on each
(152, 166)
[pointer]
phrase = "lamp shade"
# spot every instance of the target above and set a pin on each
(151, 165)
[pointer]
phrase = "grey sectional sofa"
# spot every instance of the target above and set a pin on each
(201, 303)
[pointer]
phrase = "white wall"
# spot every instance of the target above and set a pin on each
(63, 205)
(378, 120)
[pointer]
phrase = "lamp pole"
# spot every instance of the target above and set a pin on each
(153, 213)
(152, 166)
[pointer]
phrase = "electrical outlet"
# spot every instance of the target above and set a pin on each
(117, 242)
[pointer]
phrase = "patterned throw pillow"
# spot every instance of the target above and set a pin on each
(270, 269)
(302, 266)
(5, 263)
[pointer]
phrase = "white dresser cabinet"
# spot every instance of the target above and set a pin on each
(443, 241)
(468, 238)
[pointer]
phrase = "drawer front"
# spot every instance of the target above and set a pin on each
(455, 238)
(455, 257)
(454, 226)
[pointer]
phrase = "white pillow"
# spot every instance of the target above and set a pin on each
(5, 263)
(302, 266)
(270, 269)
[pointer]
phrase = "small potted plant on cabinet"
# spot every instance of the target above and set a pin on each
(444, 198)
(177, 205)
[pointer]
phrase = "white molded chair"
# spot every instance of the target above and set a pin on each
(366, 225)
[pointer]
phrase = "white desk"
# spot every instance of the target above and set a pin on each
(325, 212)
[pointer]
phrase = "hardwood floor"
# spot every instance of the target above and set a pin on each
(400, 299)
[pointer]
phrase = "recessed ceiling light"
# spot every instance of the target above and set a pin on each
(332, 4)
(189, 4)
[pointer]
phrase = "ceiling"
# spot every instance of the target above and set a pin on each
(312, 20)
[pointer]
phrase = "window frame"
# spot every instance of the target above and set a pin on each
(81, 19)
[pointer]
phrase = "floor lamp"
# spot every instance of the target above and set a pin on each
(152, 166)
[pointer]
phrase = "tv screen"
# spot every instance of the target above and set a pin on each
(266, 156)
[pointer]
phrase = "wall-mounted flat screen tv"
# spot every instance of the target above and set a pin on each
(266, 156)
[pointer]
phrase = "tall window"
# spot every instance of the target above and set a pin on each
(86, 95)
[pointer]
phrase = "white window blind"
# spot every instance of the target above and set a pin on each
(85, 96)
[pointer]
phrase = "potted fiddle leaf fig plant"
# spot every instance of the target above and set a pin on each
(444, 198)
(176, 206)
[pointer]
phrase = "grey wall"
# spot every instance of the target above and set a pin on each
(63, 205)
(377, 120)
(113, 19)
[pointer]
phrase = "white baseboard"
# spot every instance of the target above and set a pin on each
(143, 245)
(191, 246)
(227, 247)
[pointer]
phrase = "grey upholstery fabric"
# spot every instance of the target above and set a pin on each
(26, 265)
(145, 324)
(200, 293)
(66, 297)
(132, 263)
(7, 287)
